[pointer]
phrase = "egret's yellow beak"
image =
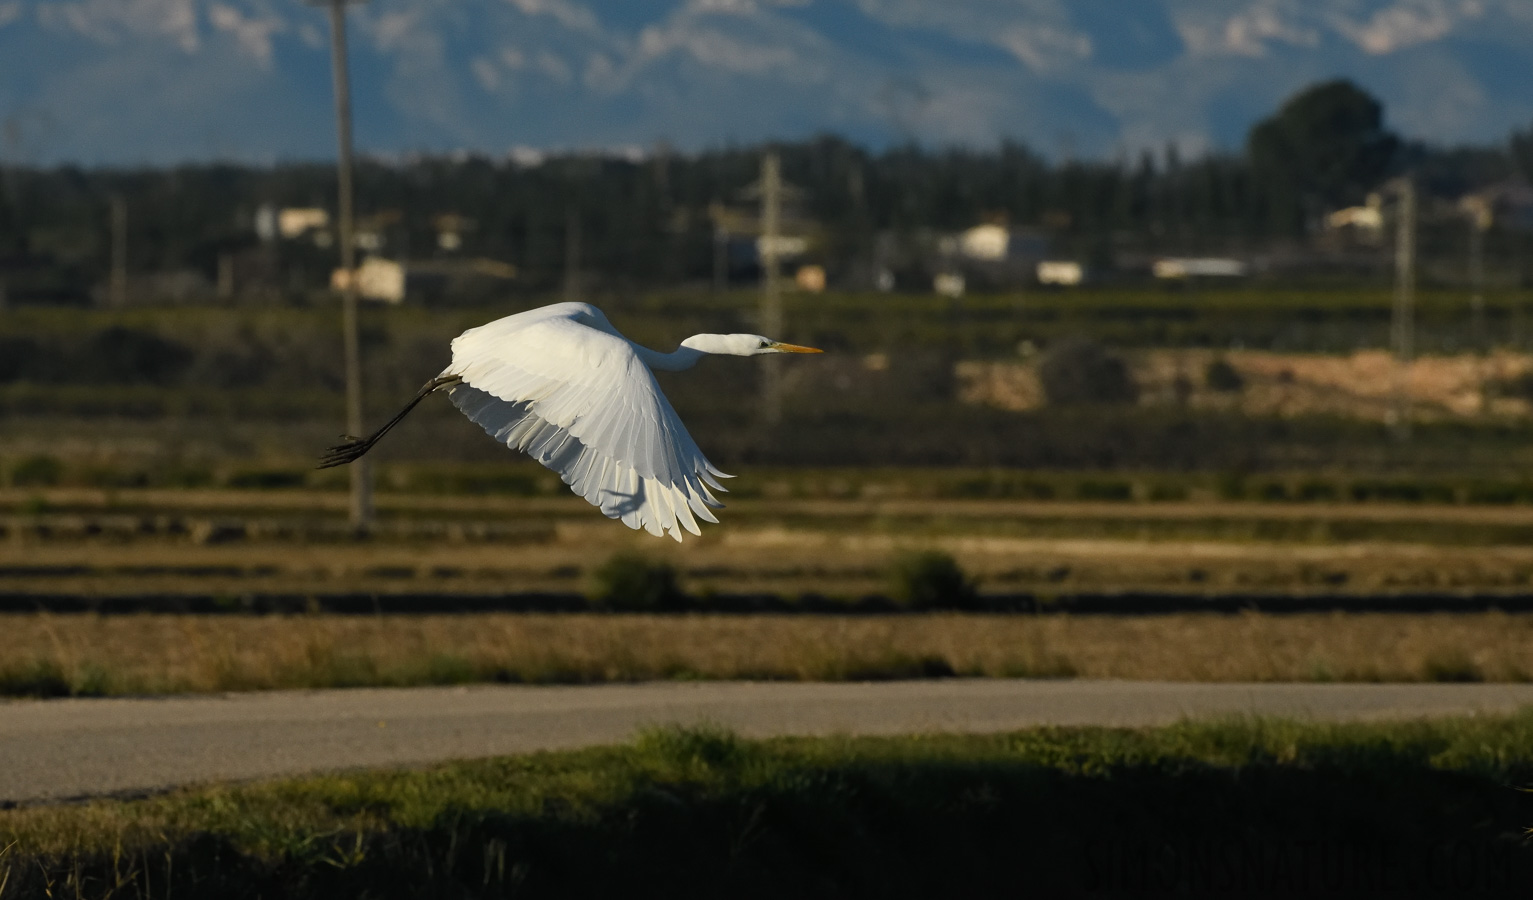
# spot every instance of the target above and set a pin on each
(793, 348)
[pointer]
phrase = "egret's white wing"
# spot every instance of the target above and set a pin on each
(560, 384)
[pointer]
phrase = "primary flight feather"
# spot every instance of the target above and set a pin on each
(561, 384)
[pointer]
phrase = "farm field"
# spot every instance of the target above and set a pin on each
(81, 654)
(87, 545)
(1240, 806)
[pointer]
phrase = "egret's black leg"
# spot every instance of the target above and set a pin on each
(352, 450)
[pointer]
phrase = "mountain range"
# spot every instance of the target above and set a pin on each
(128, 82)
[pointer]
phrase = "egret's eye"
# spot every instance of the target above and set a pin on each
(765, 344)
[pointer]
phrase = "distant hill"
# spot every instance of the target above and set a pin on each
(128, 81)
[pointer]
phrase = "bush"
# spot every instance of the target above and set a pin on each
(1078, 371)
(37, 471)
(1401, 492)
(1518, 386)
(268, 479)
(1104, 490)
(631, 583)
(1317, 491)
(21, 359)
(1221, 376)
(128, 356)
(931, 580)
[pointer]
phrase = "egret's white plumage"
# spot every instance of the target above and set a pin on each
(561, 384)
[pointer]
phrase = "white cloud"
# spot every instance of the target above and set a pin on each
(392, 30)
(554, 67)
(1042, 49)
(253, 34)
(1403, 25)
(486, 73)
(1250, 32)
(571, 15)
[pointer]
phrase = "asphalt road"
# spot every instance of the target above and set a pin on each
(64, 749)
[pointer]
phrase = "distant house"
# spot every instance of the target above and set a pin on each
(424, 281)
(993, 256)
(1508, 204)
(377, 279)
(987, 242)
(1199, 267)
(998, 244)
(1363, 218)
(1065, 273)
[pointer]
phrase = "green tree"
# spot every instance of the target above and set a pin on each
(1325, 146)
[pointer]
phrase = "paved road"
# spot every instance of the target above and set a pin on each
(61, 749)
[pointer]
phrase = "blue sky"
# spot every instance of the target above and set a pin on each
(158, 81)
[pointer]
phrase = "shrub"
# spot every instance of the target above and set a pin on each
(1221, 376)
(1104, 490)
(37, 471)
(21, 359)
(1078, 371)
(931, 579)
(128, 356)
(629, 582)
(268, 479)
(1317, 491)
(1518, 386)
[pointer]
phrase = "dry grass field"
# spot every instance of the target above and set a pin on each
(227, 547)
(1359, 385)
(233, 544)
(84, 654)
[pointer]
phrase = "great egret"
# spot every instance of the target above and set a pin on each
(560, 383)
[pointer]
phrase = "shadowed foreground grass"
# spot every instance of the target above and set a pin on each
(1222, 808)
(59, 655)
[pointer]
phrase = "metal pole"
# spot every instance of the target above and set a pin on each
(1403, 323)
(117, 293)
(771, 294)
(572, 254)
(1479, 221)
(720, 258)
(361, 472)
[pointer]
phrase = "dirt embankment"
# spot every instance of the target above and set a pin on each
(1360, 385)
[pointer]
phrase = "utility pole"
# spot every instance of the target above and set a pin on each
(572, 253)
(117, 289)
(1479, 222)
(1403, 324)
(771, 287)
(720, 257)
(361, 472)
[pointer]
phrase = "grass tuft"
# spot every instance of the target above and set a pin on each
(1234, 806)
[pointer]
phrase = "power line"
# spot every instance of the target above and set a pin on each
(361, 507)
(771, 287)
(1403, 322)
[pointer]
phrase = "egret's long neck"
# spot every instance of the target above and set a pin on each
(682, 358)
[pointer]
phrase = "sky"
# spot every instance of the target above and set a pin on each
(127, 82)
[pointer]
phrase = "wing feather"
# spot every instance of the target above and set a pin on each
(560, 384)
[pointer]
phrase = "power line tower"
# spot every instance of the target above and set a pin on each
(361, 507)
(1403, 321)
(117, 286)
(1478, 209)
(572, 253)
(771, 284)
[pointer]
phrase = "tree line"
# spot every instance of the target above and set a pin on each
(642, 222)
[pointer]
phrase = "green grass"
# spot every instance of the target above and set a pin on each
(1227, 808)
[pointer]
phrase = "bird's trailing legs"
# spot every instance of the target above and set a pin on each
(354, 447)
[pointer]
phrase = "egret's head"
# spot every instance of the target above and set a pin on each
(742, 345)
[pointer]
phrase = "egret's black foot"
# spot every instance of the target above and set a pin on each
(349, 452)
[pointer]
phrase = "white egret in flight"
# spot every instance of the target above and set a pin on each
(560, 383)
